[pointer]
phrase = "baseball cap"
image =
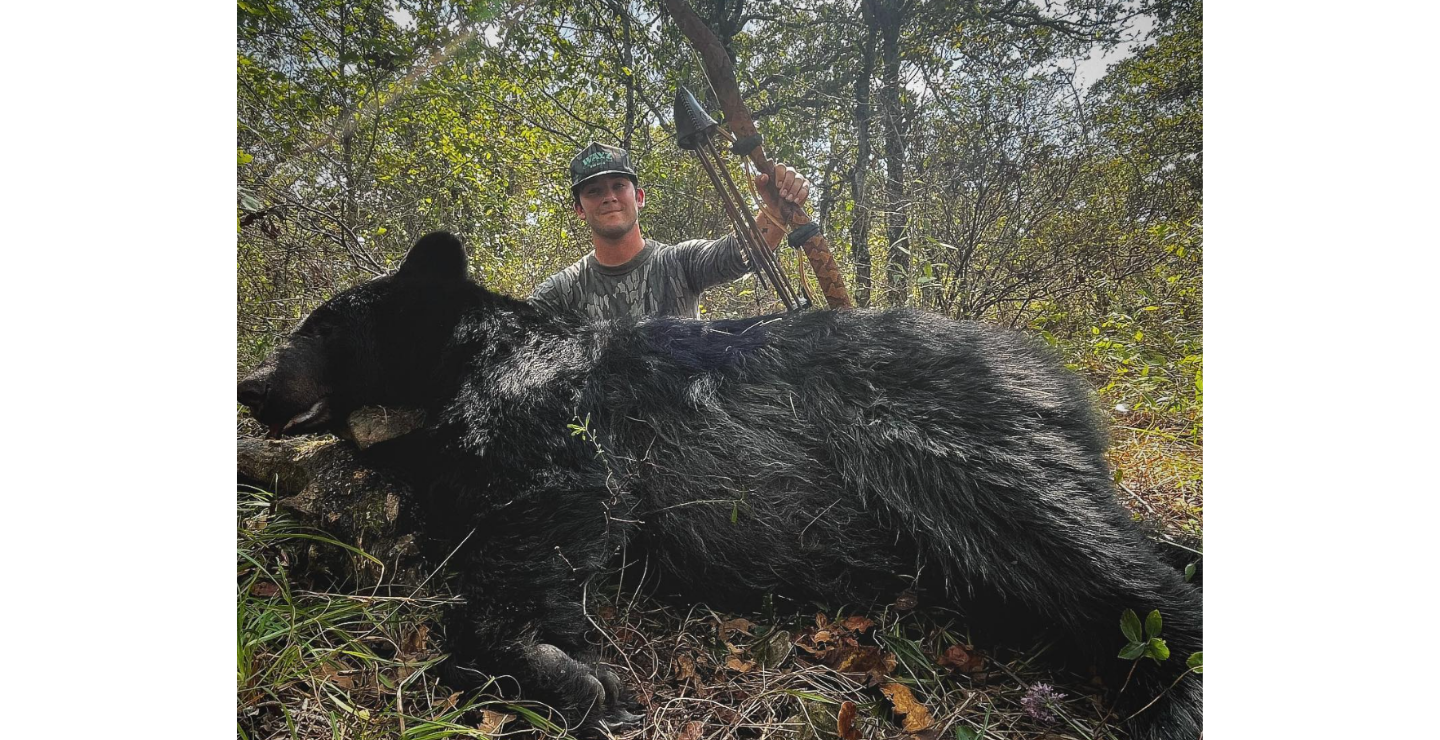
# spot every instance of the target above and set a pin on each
(598, 159)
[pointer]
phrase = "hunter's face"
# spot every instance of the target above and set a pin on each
(610, 205)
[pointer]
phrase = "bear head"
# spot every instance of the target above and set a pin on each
(373, 344)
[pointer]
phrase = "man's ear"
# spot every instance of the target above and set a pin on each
(639, 198)
(438, 255)
(579, 210)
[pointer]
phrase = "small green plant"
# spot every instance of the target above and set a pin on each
(581, 428)
(1144, 642)
(735, 507)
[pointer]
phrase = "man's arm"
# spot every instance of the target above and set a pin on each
(552, 295)
(714, 262)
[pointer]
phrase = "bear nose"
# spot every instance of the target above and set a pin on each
(252, 392)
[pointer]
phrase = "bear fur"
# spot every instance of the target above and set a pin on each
(834, 455)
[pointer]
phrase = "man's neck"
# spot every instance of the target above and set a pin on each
(616, 252)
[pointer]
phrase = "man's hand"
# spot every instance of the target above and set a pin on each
(792, 185)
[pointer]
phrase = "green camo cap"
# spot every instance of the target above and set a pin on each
(598, 159)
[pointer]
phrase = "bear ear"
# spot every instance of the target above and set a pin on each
(437, 255)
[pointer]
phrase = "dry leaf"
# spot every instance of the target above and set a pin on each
(692, 730)
(906, 600)
(491, 722)
(822, 636)
(858, 624)
(845, 722)
(917, 717)
(962, 660)
(821, 620)
(738, 624)
(264, 589)
(734, 663)
(854, 659)
(447, 703)
(412, 643)
(876, 664)
(810, 648)
(684, 667)
(331, 672)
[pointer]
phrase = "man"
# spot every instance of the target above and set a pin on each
(628, 276)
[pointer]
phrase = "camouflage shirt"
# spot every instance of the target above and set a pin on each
(660, 280)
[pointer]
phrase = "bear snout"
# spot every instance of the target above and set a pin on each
(252, 392)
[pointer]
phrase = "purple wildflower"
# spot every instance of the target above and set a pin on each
(1039, 700)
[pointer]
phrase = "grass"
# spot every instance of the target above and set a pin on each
(1159, 464)
(333, 660)
(323, 664)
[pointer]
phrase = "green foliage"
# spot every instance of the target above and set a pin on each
(325, 661)
(1076, 214)
(1143, 641)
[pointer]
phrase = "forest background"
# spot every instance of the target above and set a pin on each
(965, 161)
(123, 291)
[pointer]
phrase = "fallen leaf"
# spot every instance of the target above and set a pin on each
(491, 722)
(810, 648)
(414, 642)
(845, 722)
(692, 730)
(332, 674)
(916, 716)
(821, 620)
(684, 667)
(447, 703)
(734, 663)
(872, 661)
(264, 589)
(906, 600)
(738, 624)
(858, 624)
(822, 636)
(961, 660)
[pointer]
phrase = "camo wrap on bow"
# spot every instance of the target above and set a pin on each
(721, 74)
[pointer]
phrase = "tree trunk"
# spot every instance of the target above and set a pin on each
(890, 18)
(860, 226)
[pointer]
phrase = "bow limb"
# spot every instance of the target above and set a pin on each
(721, 73)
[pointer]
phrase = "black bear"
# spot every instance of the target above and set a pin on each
(838, 455)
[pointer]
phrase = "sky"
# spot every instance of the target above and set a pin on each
(1091, 69)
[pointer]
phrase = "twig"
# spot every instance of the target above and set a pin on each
(1172, 685)
(1142, 501)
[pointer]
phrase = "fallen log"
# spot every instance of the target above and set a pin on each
(324, 483)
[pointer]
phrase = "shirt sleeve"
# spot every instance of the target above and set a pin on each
(711, 262)
(550, 296)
